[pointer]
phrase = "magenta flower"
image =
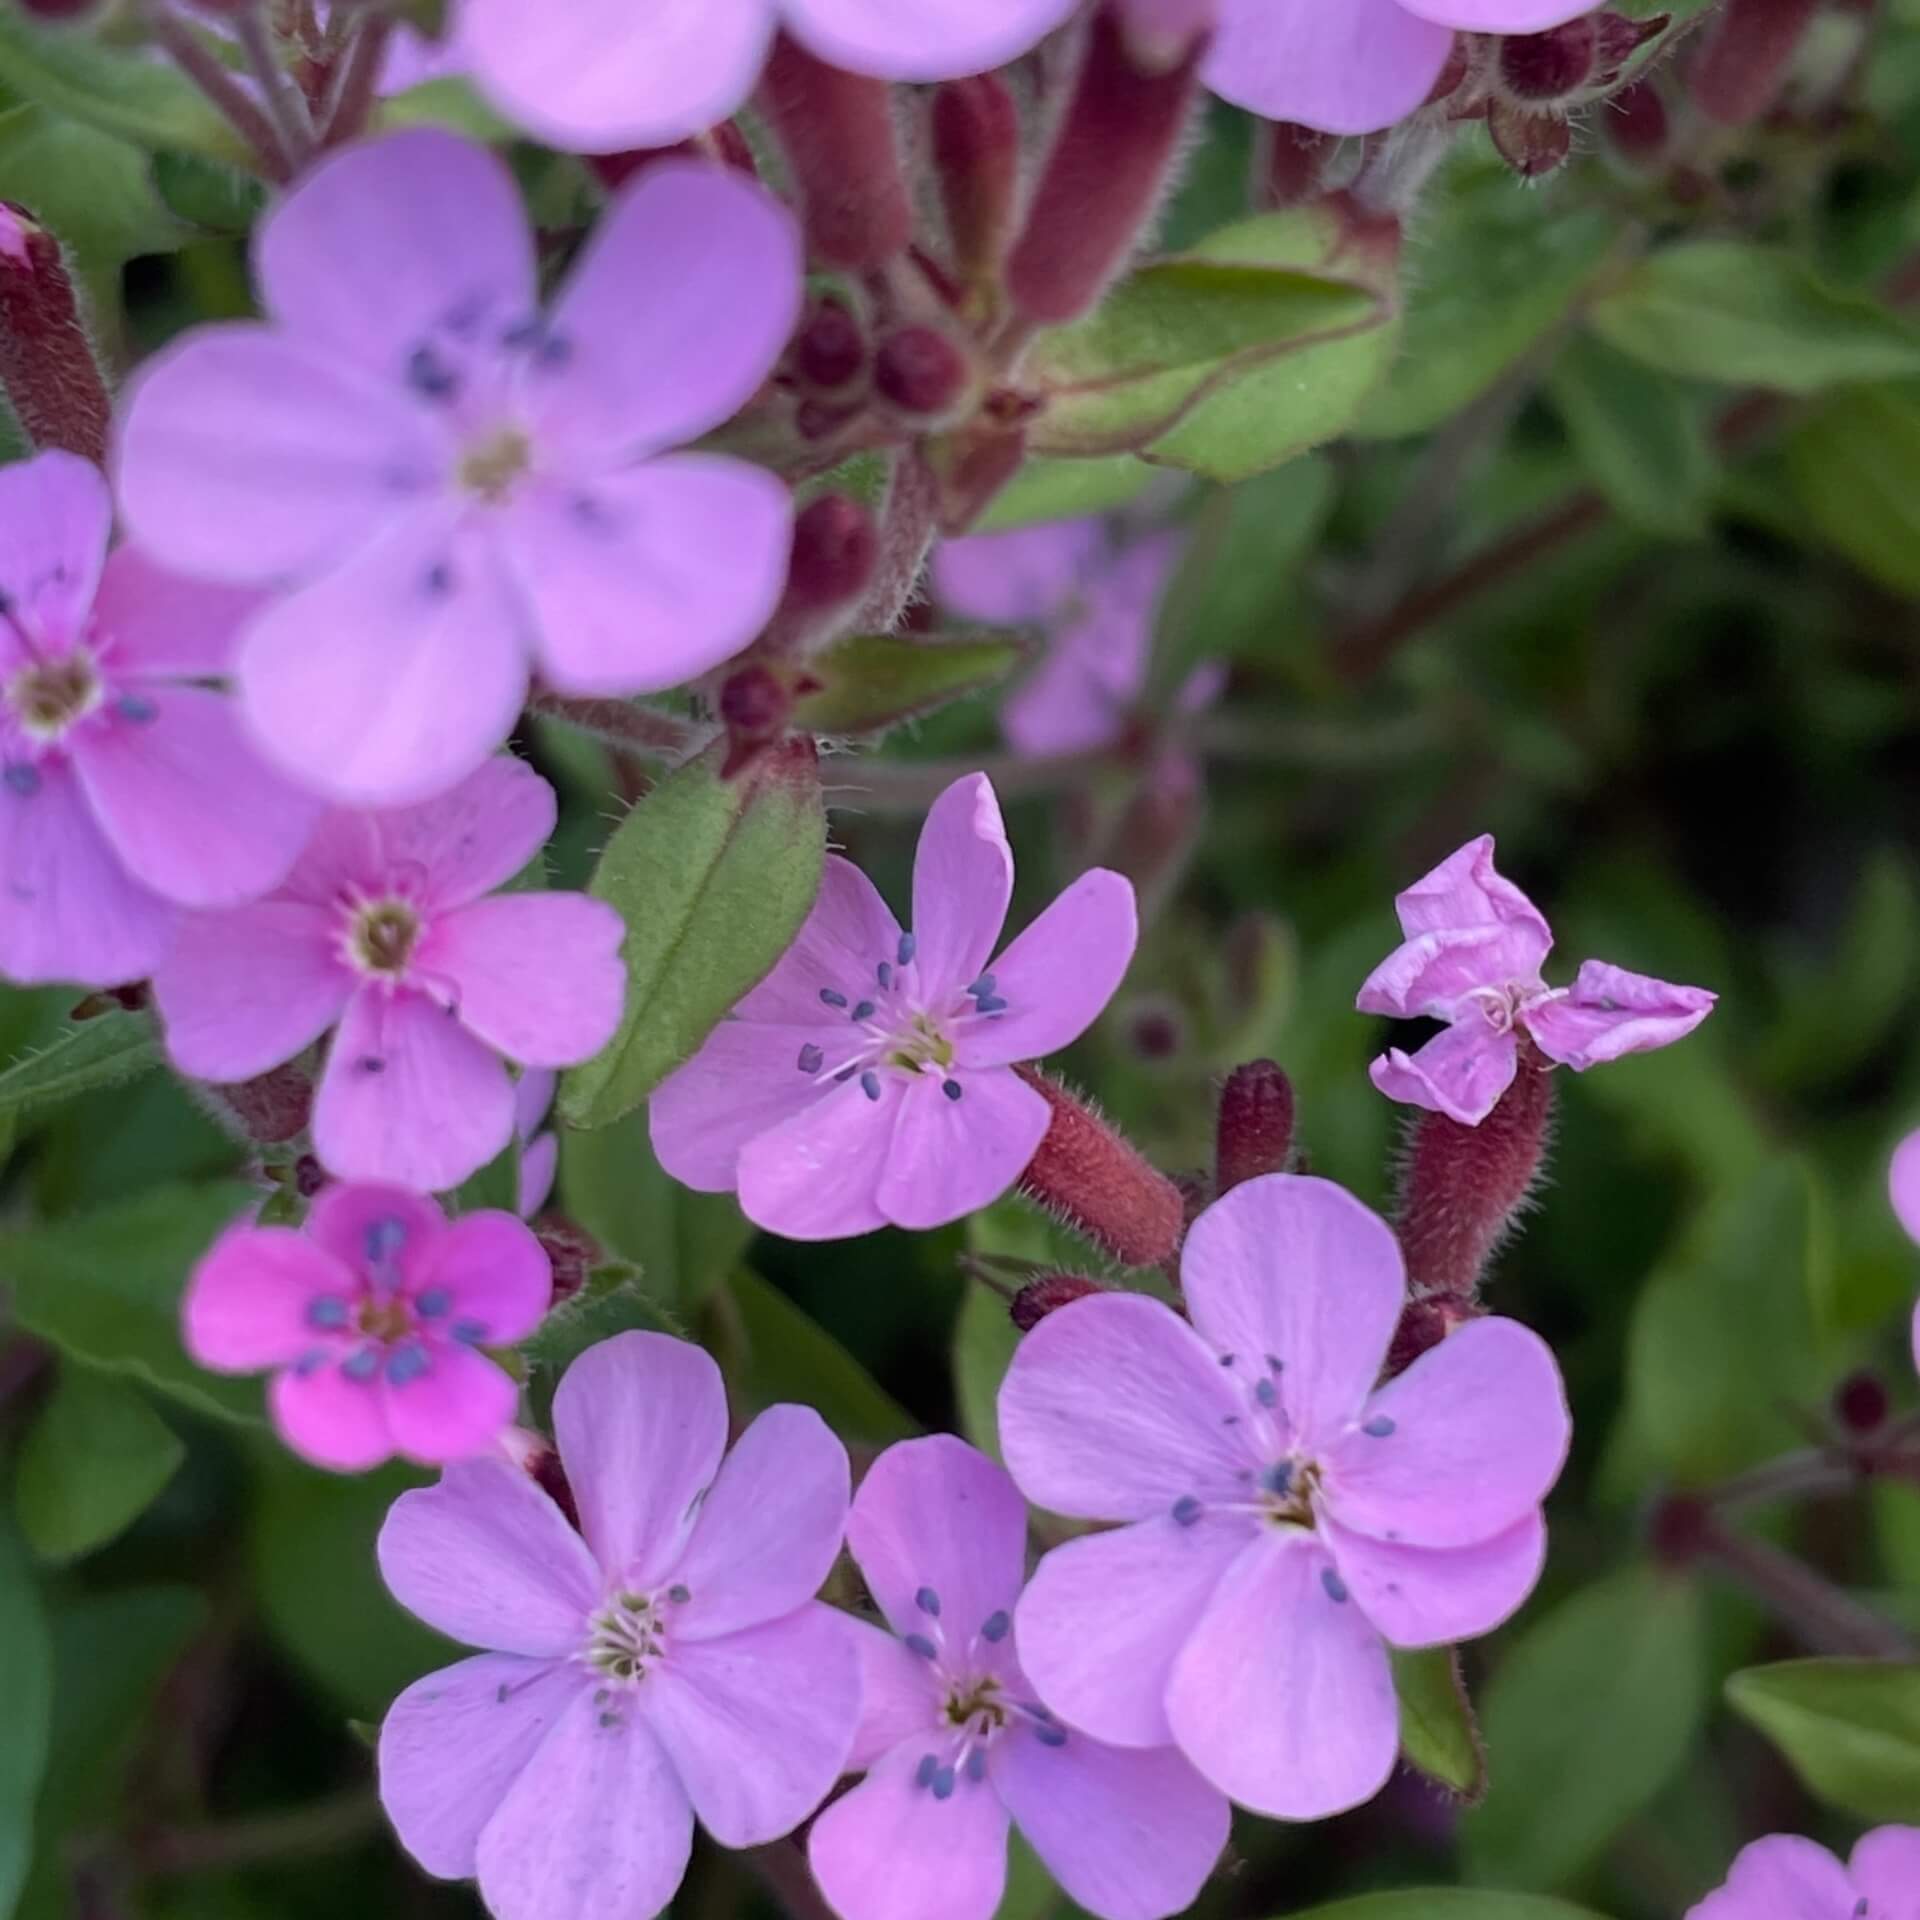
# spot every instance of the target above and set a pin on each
(672, 1663)
(1787, 1878)
(868, 1079)
(1285, 1522)
(1099, 602)
(454, 486)
(1472, 957)
(955, 1743)
(600, 75)
(371, 1320)
(126, 787)
(384, 932)
(1903, 1180)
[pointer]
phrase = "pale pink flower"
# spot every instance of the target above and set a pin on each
(955, 1743)
(1285, 1520)
(1788, 1878)
(454, 486)
(672, 1663)
(390, 933)
(1903, 1180)
(1474, 948)
(869, 1078)
(371, 1319)
(126, 786)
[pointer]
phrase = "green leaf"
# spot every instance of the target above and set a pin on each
(1438, 1736)
(92, 1462)
(1182, 329)
(615, 1300)
(1589, 1715)
(1849, 1728)
(207, 194)
(26, 1703)
(1854, 469)
(93, 192)
(1743, 315)
(873, 681)
(84, 1054)
(714, 878)
(106, 1288)
(1447, 1903)
(1065, 490)
(983, 1345)
(1638, 435)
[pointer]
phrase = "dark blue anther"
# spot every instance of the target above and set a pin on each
(991, 1003)
(1050, 1736)
(832, 999)
(998, 1626)
(523, 333)
(405, 1364)
(328, 1313)
(1335, 1586)
(884, 974)
(870, 1084)
(1274, 1361)
(904, 952)
(1186, 1509)
(310, 1362)
(438, 580)
(928, 1602)
(362, 1364)
(22, 779)
(924, 1772)
(1278, 1479)
(137, 708)
(952, 1089)
(977, 1765)
(984, 984)
(554, 351)
(1380, 1428)
(811, 1058)
(433, 1303)
(943, 1783)
(384, 1238)
(470, 1333)
(864, 1011)
(845, 1074)
(429, 375)
(1226, 1359)
(589, 512)
(920, 1644)
(1266, 1393)
(679, 1595)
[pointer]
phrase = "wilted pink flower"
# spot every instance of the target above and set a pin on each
(1286, 1522)
(385, 931)
(370, 1320)
(454, 485)
(539, 1150)
(1788, 1878)
(672, 1663)
(868, 1079)
(1099, 602)
(1904, 1183)
(956, 1744)
(599, 75)
(1472, 957)
(126, 785)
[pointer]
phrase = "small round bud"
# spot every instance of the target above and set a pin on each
(831, 348)
(309, 1176)
(754, 700)
(1636, 123)
(1678, 1529)
(1532, 144)
(1861, 1403)
(1550, 65)
(1049, 1294)
(920, 371)
(1253, 1134)
(1294, 158)
(835, 549)
(976, 156)
(571, 1251)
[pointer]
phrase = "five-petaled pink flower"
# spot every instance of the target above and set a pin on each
(1788, 1878)
(371, 1320)
(1903, 1181)
(382, 932)
(672, 1663)
(1286, 1519)
(869, 1078)
(595, 76)
(1099, 601)
(955, 1742)
(451, 484)
(1472, 957)
(127, 788)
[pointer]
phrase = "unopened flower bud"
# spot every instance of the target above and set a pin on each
(309, 1176)
(1160, 34)
(571, 1251)
(537, 1457)
(1155, 1030)
(1289, 160)
(1550, 65)
(1861, 1403)
(47, 366)
(919, 370)
(1253, 1134)
(1743, 67)
(754, 699)
(1617, 39)
(835, 549)
(976, 154)
(1532, 144)
(830, 350)
(1049, 1294)
(1636, 123)
(1678, 1529)
(271, 1109)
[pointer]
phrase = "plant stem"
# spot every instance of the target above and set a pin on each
(326, 1826)
(355, 79)
(184, 47)
(1828, 1620)
(288, 109)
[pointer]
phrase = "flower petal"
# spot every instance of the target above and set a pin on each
(487, 1559)
(454, 1743)
(1104, 1618)
(453, 1408)
(929, 40)
(644, 579)
(769, 1531)
(685, 298)
(1886, 1868)
(950, 1157)
(1058, 975)
(900, 1695)
(891, 1850)
(758, 1723)
(936, 1520)
(1499, 16)
(468, 840)
(1294, 1270)
(1062, 706)
(536, 976)
(1903, 1183)
(381, 242)
(55, 516)
(641, 1422)
(1434, 974)
(1114, 1409)
(329, 1420)
(1460, 1447)
(1130, 1834)
(1283, 1696)
(597, 1822)
(1783, 1878)
(1433, 1597)
(962, 881)
(1461, 1072)
(495, 1274)
(1467, 890)
(156, 623)
(1029, 574)
(247, 1301)
(843, 942)
(817, 1175)
(408, 1095)
(1608, 1013)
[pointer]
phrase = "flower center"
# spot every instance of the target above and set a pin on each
(491, 466)
(51, 695)
(1286, 1490)
(629, 1632)
(384, 936)
(977, 1705)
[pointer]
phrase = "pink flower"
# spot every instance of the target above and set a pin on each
(955, 1744)
(539, 1151)
(600, 75)
(1903, 1181)
(384, 933)
(454, 485)
(1787, 1878)
(1285, 1521)
(1353, 68)
(868, 1079)
(125, 784)
(370, 1321)
(1472, 957)
(672, 1663)
(1100, 602)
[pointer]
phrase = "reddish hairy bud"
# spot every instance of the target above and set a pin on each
(754, 700)
(572, 1252)
(309, 1176)
(1288, 160)
(1114, 151)
(1553, 64)
(837, 129)
(1049, 1294)
(1637, 124)
(1253, 1133)
(1099, 1185)
(1861, 1403)
(47, 366)
(1618, 39)
(830, 350)
(271, 1109)
(976, 154)
(836, 547)
(1532, 144)
(919, 370)
(1155, 1030)
(1742, 69)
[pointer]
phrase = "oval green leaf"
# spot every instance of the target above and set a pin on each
(872, 681)
(93, 1461)
(1849, 1728)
